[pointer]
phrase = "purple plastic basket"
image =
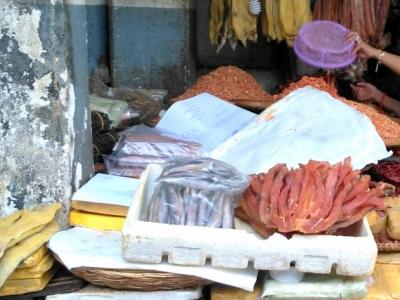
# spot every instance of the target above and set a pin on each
(323, 44)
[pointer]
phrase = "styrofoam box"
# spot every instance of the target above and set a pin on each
(353, 254)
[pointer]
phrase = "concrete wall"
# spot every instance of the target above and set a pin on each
(97, 33)
(45, 135)
(152, 44)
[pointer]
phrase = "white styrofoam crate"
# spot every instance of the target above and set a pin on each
(149, 242)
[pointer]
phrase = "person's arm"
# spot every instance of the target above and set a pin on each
(389, 60)
(366, 51)
(366, 92)
(388, 103)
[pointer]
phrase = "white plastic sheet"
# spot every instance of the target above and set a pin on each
(306, 124)
(205, 119)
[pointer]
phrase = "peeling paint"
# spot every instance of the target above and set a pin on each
(70, 136)
(38, 108)
(40, 90)
(64, 75)
(24, 28)
(41, 109)
(85, 120)
(78, 175)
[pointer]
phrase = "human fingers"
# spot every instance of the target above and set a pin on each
(356, 48)
(356, 90)
(362, 84)
(352, 36)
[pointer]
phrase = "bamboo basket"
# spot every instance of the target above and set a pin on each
(392, 142)
(388, 247)
(395, 142)
(138, 279)
(257, 105)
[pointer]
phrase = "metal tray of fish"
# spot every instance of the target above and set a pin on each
(353, 254)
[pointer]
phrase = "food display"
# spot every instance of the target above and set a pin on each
(282, 19)
(323, 83)
(388, 129)
(232, 21)
(385, 225)
(196, 192)
(365, 17)
(23, 234)
(316, 197)
(228, 83)
(306, 125)
(143, 145)
(388, 171)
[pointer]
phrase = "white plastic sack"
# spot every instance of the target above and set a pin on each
(306, 124)
(317, 286)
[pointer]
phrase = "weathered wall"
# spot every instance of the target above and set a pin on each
(97, 33)
(45, 140)
(152, 44)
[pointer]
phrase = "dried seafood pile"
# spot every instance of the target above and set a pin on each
(228, 83)
(197, 192)
(368, 18)
(325, 84)
(387, 128)
(179, 205)
(389, 171)
(316, 197)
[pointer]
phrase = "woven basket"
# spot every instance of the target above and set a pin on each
(392, 142)
(138, 279)
(253, 104)
(388, 247)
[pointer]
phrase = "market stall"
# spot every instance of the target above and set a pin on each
(229, 191)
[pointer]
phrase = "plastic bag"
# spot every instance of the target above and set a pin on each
(113, 108)
(142, 145)
(197, 192)
(316, 286)
(306, 124)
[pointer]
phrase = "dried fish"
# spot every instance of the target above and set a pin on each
(197, 192)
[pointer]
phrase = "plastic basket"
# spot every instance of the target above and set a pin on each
(323, 44)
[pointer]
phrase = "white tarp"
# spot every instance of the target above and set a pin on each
(306, 124)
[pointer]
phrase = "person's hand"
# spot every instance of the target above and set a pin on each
(365, 92)
(362, 49)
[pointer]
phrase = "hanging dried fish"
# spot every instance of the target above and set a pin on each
(368, 18)
(217, 10)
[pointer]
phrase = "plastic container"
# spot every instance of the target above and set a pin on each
(323, 44)
(353, 254)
